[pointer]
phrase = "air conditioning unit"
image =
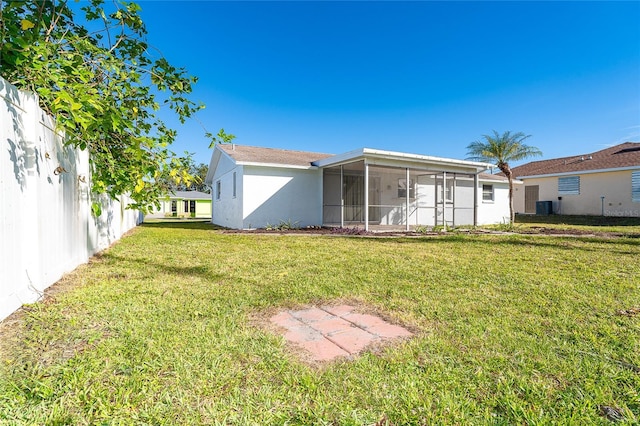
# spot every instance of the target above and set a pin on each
(544, 208)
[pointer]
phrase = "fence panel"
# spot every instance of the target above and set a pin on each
(46, 225)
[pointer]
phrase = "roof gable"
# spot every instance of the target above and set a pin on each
(242, 154)
(616, 157)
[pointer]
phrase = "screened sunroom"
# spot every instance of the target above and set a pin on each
(376, 189)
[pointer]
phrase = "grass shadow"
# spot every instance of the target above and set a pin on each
(201, 270)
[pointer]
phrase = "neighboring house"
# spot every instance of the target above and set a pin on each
(184, 204)
(605, 182)
(253, 187)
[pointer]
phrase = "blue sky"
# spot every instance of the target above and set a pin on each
(421, 77)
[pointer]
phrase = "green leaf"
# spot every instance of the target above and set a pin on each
(25, 24)
(96, 209)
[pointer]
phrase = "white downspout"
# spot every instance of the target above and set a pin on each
(366, 196)
(341, 196)
(407, 200)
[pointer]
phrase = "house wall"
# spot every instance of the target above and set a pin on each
(496, 211)
(227, 210)
(46, 225)
(163, 211)
(615, 186)
(203, 208)
(272, 195)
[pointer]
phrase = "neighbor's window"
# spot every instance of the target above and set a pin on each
(218, 190)
(487, 192)
(234, 184)
(569, 185)
(186, 206)
(192, 206)
(635, 187)
(402, 188)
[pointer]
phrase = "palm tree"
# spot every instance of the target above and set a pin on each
(501, 149)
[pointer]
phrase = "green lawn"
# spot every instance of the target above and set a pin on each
(165, 328)
(629, 226)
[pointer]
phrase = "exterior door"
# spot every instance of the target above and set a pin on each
(353, 198)
(531, 195)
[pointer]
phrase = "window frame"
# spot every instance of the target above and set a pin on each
(635, 186)
(491, 193)
(569, 185)
(218, 189)
(234, 185)
(402, 188)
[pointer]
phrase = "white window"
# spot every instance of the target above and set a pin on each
(569, 185)
(402, 188)
(445, 194)
(635, 187)
(487, 192)
(234, 184)
(218, 190)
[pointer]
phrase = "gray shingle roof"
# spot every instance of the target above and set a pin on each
(253, 154)
(619, 156)
(488, 176)
(190, 195)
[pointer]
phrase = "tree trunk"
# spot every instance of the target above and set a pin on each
(512, 214)
(504, 168)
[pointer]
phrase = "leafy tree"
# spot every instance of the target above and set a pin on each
(198, 173)
(96, 75)
(502, 149)
(221, 137)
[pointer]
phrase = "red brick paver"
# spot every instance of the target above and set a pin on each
(331, 332)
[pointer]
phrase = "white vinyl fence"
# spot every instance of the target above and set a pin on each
(46, 225)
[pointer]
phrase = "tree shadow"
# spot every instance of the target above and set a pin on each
(20, 153)
(201, 270)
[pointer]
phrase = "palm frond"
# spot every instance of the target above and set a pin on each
(501, 148)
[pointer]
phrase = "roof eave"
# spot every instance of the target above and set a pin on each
(581, 172)
(272, 165)
(364, 153)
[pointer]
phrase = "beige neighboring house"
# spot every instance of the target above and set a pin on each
(184, 204)
(605, 182)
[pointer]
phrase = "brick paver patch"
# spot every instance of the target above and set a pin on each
(334, 331)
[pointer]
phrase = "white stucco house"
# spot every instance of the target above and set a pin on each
(253, 187)
(605, 182)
